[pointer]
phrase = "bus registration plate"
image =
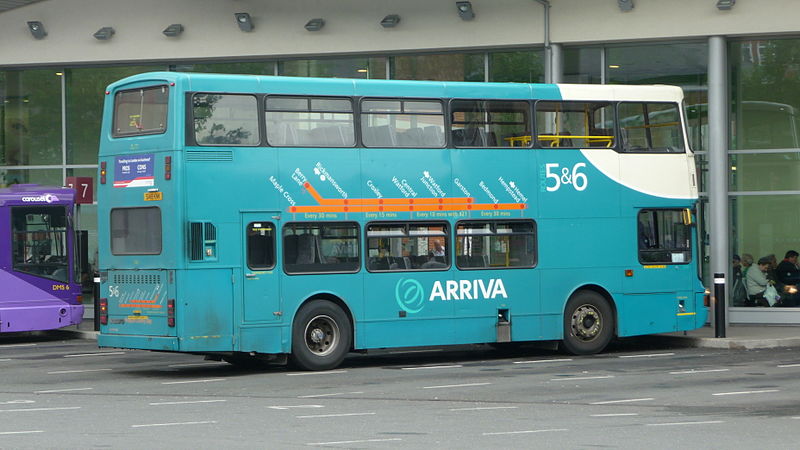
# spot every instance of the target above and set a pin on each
(153, 196)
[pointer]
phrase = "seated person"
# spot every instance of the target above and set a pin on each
(787, 275)
(756, 283)
(432, 263)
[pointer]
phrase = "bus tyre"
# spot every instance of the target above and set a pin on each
(588, 323)
(321, 336)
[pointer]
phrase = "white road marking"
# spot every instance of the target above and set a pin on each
(5, 359)
(21, 432)
(320, 416)
(582, 378)
(788, 365)
(207, 363)
(18, 345)
(300, 374)
(481, 408)
(705, 422)
(51, 391)
(651, 355)
(455, 385)
(630, 400)
(208, 380)
(60, 372)
(536, 361)
(453, 366)
(690, 371)
(764, 391)
(188, 402)
(328, 395)
(18, 402)
(40, 409)
(614, 415)
(498, 433)
(78, 355)
(353, 442)
(296, 406)
(173, 424)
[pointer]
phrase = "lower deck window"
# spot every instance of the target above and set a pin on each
(495, 244)
(313, 247)
(39, 241)
(136, 231)
(407, 246)
(664, 238)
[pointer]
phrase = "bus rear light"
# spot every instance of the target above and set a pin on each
(171, 312)
(168, 167)
(79, 299)
(102, 172)
(103, 305)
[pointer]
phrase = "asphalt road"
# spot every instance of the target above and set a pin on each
(60, 393)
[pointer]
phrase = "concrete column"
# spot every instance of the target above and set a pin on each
(718, 155)
(556, 63)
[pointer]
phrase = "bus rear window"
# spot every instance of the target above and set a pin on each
(136, 231)
(141, 111)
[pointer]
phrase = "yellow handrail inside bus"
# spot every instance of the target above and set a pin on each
(555, 139)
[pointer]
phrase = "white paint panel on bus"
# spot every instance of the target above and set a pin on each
(599, 92)
(672, 179)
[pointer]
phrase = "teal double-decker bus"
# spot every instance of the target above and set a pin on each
(252, 217)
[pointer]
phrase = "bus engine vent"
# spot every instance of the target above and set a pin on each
(209, 155)
(202, 241)
(127, 278)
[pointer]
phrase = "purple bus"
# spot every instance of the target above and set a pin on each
(38, 285)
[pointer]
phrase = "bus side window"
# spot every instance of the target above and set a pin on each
(225, 119)
(490, 123)
(402, 123)
(575, 124)
(495, 244)
(651, 127)
(310, 121)
(663, 237)
(407, 246)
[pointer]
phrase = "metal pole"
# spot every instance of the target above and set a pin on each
(556, 63)
(548, 52)
(718, 157)
(719, 305)
(96, 292)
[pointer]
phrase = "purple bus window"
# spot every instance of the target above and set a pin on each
(39, 241)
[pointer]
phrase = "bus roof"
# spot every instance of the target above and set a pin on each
(400, 88)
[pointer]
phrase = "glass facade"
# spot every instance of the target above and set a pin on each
(765, 144)
(50, 117)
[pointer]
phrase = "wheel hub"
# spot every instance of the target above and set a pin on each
(586, 322)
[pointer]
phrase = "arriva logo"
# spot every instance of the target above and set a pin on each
(410, 294)
(49, 198)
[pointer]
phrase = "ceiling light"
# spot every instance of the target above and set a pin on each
(315, 24)
(625, 5)
(390, 21)
(725, 5)
(173, 30)
(244, 22)
(104, 34)
(465, 10)
(37, 29)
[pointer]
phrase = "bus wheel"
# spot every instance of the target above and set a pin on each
(588, 323)
(321, 336)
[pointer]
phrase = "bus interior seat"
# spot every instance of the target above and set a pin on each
(382, 136)
(433, 136)
(285, 134)
(306, 249)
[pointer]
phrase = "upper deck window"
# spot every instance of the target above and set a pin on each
(225, 119)
(490, 123)
(141, 111)
(651, 127)
(575, 124)
(310, 121)
(402, 123)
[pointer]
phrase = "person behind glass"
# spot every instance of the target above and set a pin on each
(747, 262)
(757, 282)
(738, 291)
(788, 276)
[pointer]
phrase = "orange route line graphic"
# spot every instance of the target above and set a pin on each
(399, 204)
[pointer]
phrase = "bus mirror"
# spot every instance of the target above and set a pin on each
(687, 217)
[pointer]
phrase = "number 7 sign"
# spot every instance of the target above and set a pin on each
(83, 187)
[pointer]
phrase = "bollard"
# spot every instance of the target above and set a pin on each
(719, 305)
(96, 292)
